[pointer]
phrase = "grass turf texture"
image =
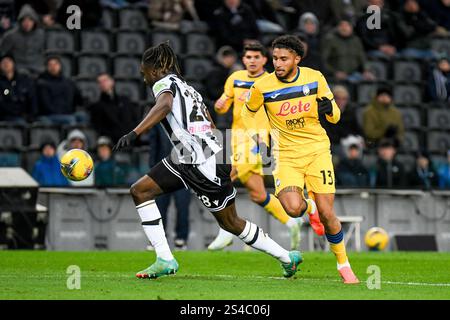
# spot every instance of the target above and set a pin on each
(220, 275)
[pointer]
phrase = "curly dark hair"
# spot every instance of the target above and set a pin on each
(289, 42)
(255, 46)
(161, 57)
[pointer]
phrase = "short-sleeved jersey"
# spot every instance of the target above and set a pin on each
(237, 87)
(292, 111)
(187, 125)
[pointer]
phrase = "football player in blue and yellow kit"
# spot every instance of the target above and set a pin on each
(295, 98)
(246, 161)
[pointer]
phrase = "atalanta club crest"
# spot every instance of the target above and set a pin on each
(306, 90)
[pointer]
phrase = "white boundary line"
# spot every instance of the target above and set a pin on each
(228, 276)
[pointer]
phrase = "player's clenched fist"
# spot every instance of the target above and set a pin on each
(126, 141)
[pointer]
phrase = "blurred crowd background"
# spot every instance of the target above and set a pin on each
(63, 89)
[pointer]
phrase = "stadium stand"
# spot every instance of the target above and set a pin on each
(117, 44)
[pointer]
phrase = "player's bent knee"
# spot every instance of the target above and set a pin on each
(294, 209)
(140, 193)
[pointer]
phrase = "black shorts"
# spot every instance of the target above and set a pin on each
(216, 192)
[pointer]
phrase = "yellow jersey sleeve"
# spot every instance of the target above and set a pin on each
(323, 90)
(253, 103)
(227, 95)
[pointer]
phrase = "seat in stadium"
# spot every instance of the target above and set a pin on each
(91, 66)
(411, 118)
(410, 142)
(89, 89)
(132, 19)
(407, 94)
(67, 66)
(59, 41)
(438, 141)
(127, 67)
(11, 136)
(378, 68)
(130, 42)
(441, 46)
(10, 159)
(174, 40)
(40, 133)
(407, 71)
(30, 157)
(197, 68)
(108, 19)
(199, 45)
(365, 92)
(129, 89)
(439, 119)
(408, 160)
(95, 42)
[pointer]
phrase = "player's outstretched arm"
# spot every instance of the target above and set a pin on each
(160, 110)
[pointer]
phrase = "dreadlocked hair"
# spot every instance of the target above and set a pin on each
(163, 58)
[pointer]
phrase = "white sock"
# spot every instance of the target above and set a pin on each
(153, 228)
(224, 234)
(345, 264)
(256, 238)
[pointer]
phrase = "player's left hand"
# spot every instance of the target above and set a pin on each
(324, 106)
(126, 141)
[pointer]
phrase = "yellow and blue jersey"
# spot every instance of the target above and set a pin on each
(292, 110)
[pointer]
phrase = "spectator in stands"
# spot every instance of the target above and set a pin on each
(18, 101)
(58, 96)
(423, 175)
(444, 173)
(46, 9)
(167, 14)
(348, 124)
(321, 10)
(234, 24)
(6, 16)
(343, 54)
(384, 41)
(308, 32)
(160, 147)
(382, 119)
(113, 115)
(76, 139)
(389, 172)
(439, 80)
(347, 9)
(91, 13)
(422, 28)
(226, 63)
(107, 172)
(350, 171)
(114, 4)
(26, 42)
(47, 170)
(266, 19)
(438, 10)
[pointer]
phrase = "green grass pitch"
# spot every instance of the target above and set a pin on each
(220, 275)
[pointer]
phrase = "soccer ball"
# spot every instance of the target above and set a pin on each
(376, 239)
(76, 164)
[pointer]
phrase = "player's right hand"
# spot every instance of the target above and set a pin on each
(126, 141)
(220, 104)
